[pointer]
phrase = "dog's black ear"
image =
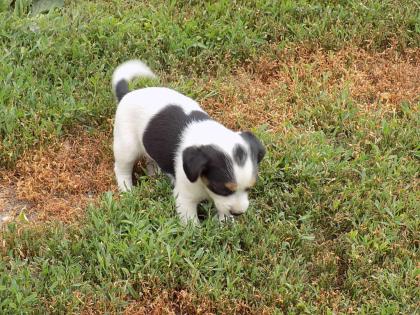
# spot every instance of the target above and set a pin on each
(194, 161)
(257, 149)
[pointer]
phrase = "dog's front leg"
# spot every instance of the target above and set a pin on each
(186, 209)
(223, 217)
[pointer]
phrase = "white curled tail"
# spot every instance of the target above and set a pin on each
(126, 72)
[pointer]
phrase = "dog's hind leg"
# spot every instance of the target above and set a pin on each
(152, 169)
(124, 173)
(126, 155)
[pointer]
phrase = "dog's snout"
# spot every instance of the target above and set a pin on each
(236, 214)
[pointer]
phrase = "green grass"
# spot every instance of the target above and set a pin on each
(336, 209)
(329, 213)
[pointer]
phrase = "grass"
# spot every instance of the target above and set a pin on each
(335, 215)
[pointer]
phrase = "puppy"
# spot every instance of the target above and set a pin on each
(204, 159)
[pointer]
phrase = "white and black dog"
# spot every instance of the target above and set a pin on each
(204, 159)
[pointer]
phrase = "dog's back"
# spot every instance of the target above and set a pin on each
(148, 121)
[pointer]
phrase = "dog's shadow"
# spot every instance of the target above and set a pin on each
(205, 209)
(139, 171)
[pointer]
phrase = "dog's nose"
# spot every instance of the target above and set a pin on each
(236, 214)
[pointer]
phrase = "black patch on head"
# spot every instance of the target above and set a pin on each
(162, 135)
(239, 155)
(212, 164)
(257, 149)
(121, 89)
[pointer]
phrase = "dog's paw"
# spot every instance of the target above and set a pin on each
(193, 220)
(226, 218)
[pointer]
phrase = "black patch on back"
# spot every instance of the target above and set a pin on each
(239, 155)
(121, 89)
(212, 164)
(257, 149)
(162, 135)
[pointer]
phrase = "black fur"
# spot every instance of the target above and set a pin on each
(257, 149)
(239, 155)
(210, 163)
(162, 135)
(121, 89)
(194, 161)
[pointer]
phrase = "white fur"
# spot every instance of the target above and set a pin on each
(130, 70)
(134, 112)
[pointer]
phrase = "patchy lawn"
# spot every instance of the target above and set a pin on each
(332, 89)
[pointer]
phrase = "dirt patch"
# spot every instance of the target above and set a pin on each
(273, 89)
(10, 206)
(57, 182)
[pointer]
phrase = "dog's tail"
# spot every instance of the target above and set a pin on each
(126, 72)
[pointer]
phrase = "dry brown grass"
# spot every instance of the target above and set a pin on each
(159, 301)
(272, 90)
(177, 302)
(58, 181)
(184, 302)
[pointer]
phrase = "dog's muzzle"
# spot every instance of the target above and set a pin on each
(236, 214)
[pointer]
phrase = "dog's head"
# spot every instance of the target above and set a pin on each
(227, 174)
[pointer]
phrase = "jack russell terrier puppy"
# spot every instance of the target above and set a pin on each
(204, 159)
